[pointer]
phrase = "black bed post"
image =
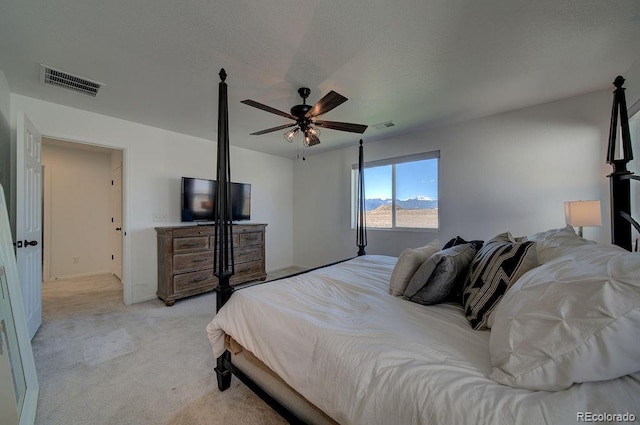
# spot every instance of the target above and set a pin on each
(223, 266)
(620, 178)
(361, 232)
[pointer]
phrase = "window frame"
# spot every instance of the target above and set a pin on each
(393, 162)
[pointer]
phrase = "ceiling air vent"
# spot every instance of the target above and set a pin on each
(55, 77)
(382, 125)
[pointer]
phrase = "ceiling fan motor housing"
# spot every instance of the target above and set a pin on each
(299, 111)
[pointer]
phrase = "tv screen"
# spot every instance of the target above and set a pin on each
(240, 201)
(198, 200)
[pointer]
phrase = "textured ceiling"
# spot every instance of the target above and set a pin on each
(418, 63)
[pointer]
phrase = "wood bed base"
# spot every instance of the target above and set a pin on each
(265, 383)
(224, 381)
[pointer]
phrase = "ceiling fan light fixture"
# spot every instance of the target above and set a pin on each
(311, 136)
(290, 135)
(312, 131)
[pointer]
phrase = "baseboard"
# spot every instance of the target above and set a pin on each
(79, 276)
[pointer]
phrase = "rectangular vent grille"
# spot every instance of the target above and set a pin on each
(384, 125)
(65, 80)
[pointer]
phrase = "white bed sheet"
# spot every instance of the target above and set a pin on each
(365, 357)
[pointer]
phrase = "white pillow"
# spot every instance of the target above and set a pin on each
(554, 243)
(574, 319)
(407, 264)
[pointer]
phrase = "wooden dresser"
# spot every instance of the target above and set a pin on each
(185, 259)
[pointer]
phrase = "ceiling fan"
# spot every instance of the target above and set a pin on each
(305, 117)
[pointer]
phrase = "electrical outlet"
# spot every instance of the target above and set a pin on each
(76, 260)
(159, 217)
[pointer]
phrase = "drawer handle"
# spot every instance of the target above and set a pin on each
(199, 260)
(199, 279)
(191, 244)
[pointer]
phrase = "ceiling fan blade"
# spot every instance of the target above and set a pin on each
(342, 126)
(267, 108)
(311, 140)
(327, 103)
(270, 130)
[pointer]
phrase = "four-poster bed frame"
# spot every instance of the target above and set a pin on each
(223, 253)
(620, 178)
(223, 261)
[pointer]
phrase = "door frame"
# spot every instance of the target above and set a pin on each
(127, 295)
(115, 234)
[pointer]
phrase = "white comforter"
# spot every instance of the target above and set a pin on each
(365, 357)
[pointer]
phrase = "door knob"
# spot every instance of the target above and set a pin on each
(118, 228)
(30, 243)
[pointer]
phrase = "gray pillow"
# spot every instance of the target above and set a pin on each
(441, 276)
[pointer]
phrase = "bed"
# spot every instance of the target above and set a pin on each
(362, 356)
(536, 329)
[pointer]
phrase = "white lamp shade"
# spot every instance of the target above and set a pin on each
(583, 213)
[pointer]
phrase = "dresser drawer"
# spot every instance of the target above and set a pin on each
(192, 261)
(250, 268)
(193, 280)
(193, 231)
(251, 238)
(198, 243)
(247, 254)
(235, 239)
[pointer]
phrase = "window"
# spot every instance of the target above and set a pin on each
(400, 193)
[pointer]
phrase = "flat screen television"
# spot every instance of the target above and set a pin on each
(198, 200)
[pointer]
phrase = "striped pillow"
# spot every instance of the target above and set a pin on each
(496, 266)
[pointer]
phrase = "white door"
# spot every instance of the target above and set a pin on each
(116, 214)
(29, 220)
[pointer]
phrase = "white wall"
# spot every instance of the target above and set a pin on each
(154, 161)
(632, 83)
(511, 171)
(77, 203)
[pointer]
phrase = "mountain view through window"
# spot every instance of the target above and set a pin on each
(402, 195)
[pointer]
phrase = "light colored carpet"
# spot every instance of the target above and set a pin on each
(101, 362)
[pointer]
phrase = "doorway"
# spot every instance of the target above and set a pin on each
(82, 210)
